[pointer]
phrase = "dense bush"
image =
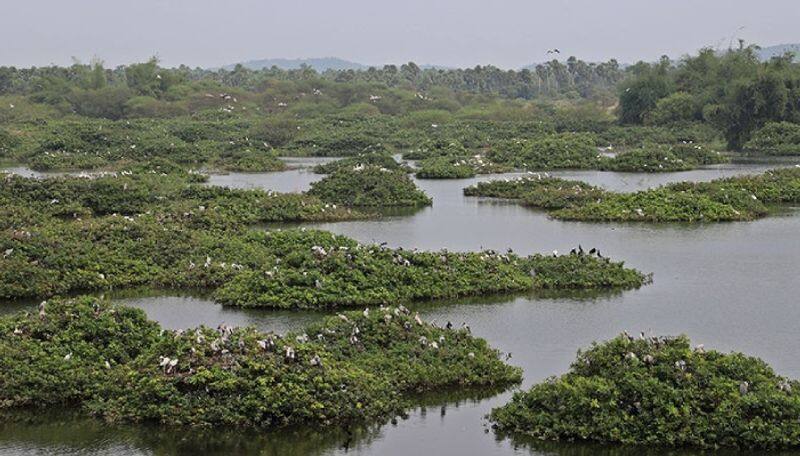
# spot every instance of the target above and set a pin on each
(775, 138)
(111, 362)
(655, 158)
(444, 168)
(659, 391)
(156, 229)
(369, 185)
(538, 191)
(729, 199)
(382, 160)
(565, 150)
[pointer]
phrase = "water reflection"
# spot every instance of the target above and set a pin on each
(63, 432)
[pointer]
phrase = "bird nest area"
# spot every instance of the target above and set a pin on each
(659, 391)
(71, 235)
(730, 199)
(369, 185)
(109, 361)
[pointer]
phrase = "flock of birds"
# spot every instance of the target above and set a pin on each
(681, 365)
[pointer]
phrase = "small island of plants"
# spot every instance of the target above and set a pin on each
(157, 226)
(369, 186)
(109, 361)
(659, 391)
(729, 199)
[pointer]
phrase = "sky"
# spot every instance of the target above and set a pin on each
(456, 33)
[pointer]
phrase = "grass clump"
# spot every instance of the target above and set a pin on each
(659, 391)
(110, 361)
(369, 186)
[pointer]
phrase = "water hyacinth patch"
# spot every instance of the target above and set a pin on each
(659, 391)
(111, 362)
(369, 186)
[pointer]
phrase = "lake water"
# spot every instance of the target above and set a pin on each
(730, 286)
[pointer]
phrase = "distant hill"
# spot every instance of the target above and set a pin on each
(766, 53)
(319, 64)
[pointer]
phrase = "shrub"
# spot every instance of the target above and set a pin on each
(776, 138)
(369, 186)
(659, 391)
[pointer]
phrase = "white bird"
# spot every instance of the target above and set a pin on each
(743, 388)
(7, 253)
(68, 356)
(417, 318)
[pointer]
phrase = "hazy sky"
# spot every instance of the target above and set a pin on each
(508, 33)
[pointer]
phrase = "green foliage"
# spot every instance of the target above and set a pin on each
(369, 185)
(775, 138)
(538, 191)
(444, 168)
(58, 356)
(659, 391)
(677, 107)
(655, 158)
(732, 91)
(564, 150)
(641, 94)
(381, 160)
(730, 199)
(109, 361)
(153, 226)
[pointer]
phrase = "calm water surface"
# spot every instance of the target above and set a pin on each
(730, 286)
